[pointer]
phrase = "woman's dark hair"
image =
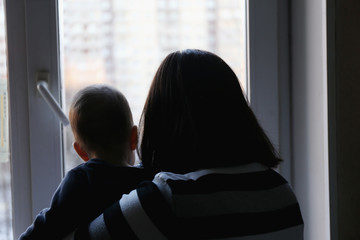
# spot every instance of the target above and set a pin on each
(196, 117)
(101, 118)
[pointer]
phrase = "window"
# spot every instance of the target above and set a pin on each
(122, 43)
(5, 175)
(34, 36)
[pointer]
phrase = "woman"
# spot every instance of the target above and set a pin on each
(215, 163)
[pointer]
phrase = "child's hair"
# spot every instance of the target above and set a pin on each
(101, 120)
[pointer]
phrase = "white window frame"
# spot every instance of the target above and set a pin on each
(36, 133)
(270, 74)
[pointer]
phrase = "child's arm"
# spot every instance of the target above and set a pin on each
(66, 211)
(144, 213)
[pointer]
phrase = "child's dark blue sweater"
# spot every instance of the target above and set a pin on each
(82, 195)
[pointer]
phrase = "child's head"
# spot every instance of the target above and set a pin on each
(102, 125)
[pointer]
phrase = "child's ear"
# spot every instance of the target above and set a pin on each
(133, 138)
(81, 152)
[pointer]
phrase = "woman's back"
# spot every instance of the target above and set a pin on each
(249, 200)
(246, 202)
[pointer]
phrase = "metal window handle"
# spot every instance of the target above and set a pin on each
(43, 89)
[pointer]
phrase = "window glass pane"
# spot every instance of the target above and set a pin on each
(122, 43)
(5, 175)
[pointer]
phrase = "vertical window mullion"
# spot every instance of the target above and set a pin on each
(19, 118)
(269, 74)
(35, 131)
(45, 128)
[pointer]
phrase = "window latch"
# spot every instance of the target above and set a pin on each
(42, 87)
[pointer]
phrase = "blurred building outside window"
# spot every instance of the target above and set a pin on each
(122, 43)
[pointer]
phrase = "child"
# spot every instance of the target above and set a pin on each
(105, 138)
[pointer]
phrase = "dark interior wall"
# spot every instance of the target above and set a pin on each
(344, 117)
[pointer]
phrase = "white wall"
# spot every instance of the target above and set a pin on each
(309, 114)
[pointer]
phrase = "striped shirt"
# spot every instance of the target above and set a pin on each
(248, 202)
